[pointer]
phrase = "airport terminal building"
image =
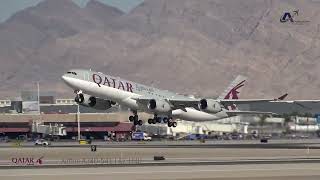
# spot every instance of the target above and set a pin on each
(21, 117)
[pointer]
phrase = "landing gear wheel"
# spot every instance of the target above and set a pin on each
(135, 123)
(136, 118)
(169, 124)
(154, 121)
(158, 119)
(174, 124)
(165, 120)
(140, 122)
(77, 99)
(150, 121)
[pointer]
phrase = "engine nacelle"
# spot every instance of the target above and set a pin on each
(93, 102)
(159, 106)
(209, 105)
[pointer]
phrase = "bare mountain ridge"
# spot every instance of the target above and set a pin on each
(186, 46)
(25, 33)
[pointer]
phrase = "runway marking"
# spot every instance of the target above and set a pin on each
(247, 158)
(151, 172)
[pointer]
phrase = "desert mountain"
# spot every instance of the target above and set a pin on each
(187, 46)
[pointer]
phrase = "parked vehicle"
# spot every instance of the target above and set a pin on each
(4, 139)
(42, 142)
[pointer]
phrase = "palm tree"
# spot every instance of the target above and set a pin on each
(262, 122)
(287, 119)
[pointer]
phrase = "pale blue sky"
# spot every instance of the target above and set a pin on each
(9, 7)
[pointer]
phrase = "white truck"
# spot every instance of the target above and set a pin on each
(141, 136)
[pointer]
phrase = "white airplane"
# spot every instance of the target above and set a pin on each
(100, 91)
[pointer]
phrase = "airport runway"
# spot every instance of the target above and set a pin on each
(224, 172)
(180, 163)
(144, 156)
(279, 144)
(148, 153)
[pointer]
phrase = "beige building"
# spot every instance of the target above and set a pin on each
(65, 101)
(4, 103)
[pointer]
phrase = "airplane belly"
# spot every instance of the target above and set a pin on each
(195, 115)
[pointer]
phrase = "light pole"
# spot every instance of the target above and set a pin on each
(308, 149)
(78, 120)
(295, 126)
(38, 89)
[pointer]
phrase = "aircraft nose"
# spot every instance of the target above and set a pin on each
(64, 78)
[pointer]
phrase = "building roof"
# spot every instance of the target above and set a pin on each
(14, 130)
(120, 127)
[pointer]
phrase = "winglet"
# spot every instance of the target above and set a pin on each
(282, 97)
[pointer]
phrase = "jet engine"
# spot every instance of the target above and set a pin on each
(209, 105)
(159, 106)
(93, 102)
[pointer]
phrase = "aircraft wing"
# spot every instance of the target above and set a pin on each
(305, 104)
(301, 101)
(228, 102)
(177, 103)
(183, 103)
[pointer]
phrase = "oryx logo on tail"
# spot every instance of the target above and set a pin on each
(233, 93)
(233, 90)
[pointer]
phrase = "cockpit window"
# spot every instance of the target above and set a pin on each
(74, 73)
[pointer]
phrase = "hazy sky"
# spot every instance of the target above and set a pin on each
(9, 7)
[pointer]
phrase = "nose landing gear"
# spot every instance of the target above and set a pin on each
(79, 96)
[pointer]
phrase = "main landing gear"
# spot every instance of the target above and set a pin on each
(155, 120)
(166, 120)
(135, 119)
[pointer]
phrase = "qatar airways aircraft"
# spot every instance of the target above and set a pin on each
(100, 91)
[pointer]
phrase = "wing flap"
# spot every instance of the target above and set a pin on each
(234, 113)
(229, 102)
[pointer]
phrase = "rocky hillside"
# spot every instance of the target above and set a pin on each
(187, 46)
